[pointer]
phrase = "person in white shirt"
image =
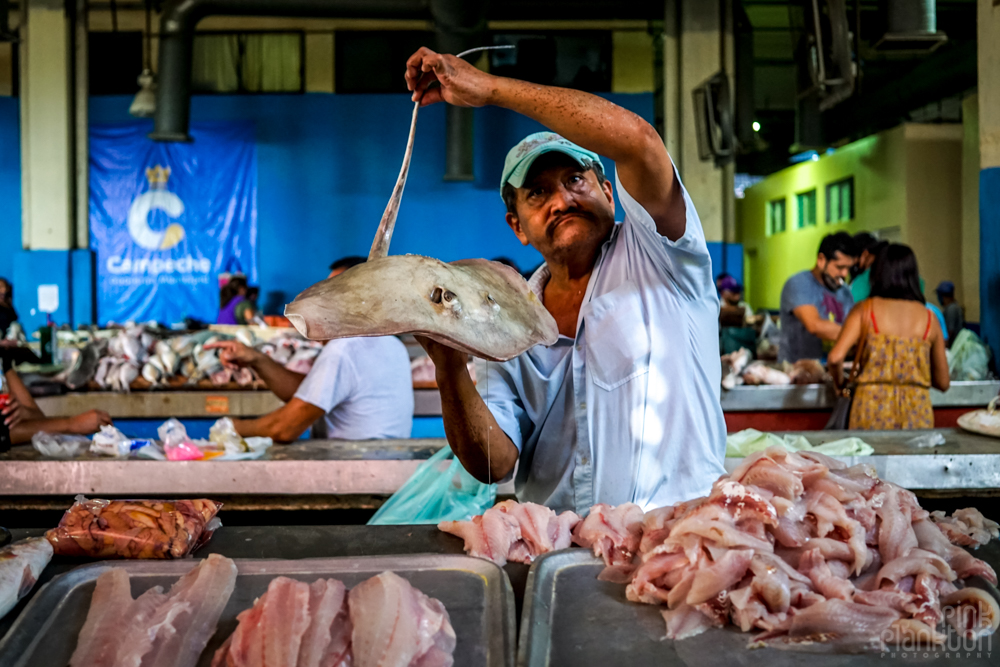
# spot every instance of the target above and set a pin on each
(357, 389)
(624, 407)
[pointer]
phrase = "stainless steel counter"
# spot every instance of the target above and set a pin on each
(821, 397)
(965, 463)
(309, 467)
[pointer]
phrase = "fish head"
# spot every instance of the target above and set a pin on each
(477, 306)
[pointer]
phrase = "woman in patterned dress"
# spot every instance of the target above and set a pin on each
(903, 355)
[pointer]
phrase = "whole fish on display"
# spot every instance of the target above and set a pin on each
(477, 306)
(21, 564)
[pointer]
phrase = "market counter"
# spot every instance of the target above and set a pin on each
(323, 473)
(808, 407)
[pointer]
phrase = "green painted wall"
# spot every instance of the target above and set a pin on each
(878, 166)
(908, 184)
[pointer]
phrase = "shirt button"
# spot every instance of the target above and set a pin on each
(583, 406)
(585, 460)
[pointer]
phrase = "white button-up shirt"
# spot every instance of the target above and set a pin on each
(628, 411)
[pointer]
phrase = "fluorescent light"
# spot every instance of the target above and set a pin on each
(756, 126)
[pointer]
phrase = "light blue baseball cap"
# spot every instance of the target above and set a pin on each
(523, 155)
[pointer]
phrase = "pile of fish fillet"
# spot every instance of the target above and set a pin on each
(383, 622)
(796, 545)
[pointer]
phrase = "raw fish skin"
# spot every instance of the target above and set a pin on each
(395, 625)
(285, 619)
(614, 533)
(514, 531)
(21, 564)
(200, 596)
(326, 641)
(97, 643)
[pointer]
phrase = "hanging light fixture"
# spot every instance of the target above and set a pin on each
(144, 104)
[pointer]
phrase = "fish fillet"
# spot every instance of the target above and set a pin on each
(395, 625)
(822, 557)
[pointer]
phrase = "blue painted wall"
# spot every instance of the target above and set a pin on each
(10, 184)
(327, 164)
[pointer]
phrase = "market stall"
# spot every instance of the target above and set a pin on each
(795, 407)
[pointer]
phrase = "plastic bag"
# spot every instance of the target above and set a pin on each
(748, 441)
(845, 447)
(60, 445)
(968, 358)
(769, 340)
(109, 441)
(926, 441)
(177, 446)
(224, 433)
(134, 528)
(440, 490)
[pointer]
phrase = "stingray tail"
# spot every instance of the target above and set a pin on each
(380, 246)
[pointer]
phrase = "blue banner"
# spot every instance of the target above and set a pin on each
(167, 218)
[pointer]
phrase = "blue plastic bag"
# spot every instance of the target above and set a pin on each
(440, 490)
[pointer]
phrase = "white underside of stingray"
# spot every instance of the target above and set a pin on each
(477, 306)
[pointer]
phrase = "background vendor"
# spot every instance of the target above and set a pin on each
(815, 303)
(358, 388)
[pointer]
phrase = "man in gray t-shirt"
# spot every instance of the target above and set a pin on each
(814, 304)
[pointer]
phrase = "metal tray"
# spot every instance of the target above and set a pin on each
(571, 618)
(476, 593)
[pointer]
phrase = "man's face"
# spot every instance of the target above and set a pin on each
(731, 298)
(835, 271)
(561, 208)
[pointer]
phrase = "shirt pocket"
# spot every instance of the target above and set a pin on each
(617, 337)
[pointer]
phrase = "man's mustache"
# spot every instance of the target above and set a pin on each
(578, 212)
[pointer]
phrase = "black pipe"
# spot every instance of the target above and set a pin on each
(459, 25)
(173, 96)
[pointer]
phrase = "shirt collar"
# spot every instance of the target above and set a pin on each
(539, 279)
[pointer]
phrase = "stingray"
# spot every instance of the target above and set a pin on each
(477, 306)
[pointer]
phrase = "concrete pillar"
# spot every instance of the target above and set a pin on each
(989, 175)
(50, 271)
(968, 289)
(47, 171)
(672, 82)
(696, 40)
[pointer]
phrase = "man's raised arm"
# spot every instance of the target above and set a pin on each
(641, 158)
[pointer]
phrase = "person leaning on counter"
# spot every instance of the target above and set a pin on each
(357, 389)
(24, 418)
(625, 405)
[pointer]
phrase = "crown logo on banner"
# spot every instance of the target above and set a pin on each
(158, 176)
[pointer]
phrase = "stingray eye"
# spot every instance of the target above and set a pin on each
(489, 297)
(436, 295)
(449, 296)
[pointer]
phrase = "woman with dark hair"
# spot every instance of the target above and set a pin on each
(901, 351)
(7, 312)
(232, 294)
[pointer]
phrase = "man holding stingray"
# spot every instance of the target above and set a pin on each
(624, 407)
